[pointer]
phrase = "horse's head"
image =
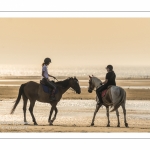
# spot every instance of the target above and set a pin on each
(74, 83)
(94, 82)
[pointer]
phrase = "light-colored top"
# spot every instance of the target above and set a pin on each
(44, 68)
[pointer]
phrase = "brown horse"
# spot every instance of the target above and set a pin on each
(34, 91)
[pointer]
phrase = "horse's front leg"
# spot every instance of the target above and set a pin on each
(56, 111)
(50, 115)
(96, 110)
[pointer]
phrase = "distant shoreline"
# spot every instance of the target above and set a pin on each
(136, 88)
(79, 77)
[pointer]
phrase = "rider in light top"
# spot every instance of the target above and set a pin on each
(46, 76)
(109, 80)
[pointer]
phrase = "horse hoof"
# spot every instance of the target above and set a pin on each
(35, 124)
(126, 124)
(118, 125)
(51, 124)
(92, 124)
(108, 125)
(25, 123)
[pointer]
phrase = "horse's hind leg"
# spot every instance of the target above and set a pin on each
(96, 110)
(107, 113)
(32, 103)
(117, 113)
(124, 112)
(25, 100)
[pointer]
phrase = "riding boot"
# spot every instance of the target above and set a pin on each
(100, 101)
(52, 98)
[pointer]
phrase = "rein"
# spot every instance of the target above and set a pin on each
(64, 87)
(56, 79)
(99, 87)
(72, 89)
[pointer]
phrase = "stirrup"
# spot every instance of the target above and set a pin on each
(100, 101)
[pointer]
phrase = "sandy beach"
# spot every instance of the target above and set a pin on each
(75, 116)
(76, 111)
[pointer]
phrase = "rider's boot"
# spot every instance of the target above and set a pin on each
(100, 101)
(52, 98)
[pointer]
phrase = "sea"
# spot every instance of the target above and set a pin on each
(100, 71)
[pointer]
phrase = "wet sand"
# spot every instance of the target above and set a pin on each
(75, 116)
(137, 89)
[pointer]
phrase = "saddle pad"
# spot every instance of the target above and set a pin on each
(104, 93)
(46, 89)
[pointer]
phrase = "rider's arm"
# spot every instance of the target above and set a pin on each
(106, 80)
(51, 76)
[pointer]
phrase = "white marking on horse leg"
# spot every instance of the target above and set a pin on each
(51, 123)
(25, 123)
(53, 119)
(56, 111)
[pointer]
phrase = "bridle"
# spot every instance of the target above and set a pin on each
(93, 89)
(72, 88)
(90, 82)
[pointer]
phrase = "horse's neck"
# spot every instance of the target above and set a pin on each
(97, 83)
(64, 88)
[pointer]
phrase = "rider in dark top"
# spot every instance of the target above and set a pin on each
(110, 80)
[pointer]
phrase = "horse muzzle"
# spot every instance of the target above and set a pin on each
(90, 91)
(78, 92)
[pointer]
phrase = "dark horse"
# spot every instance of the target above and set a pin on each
(34, 91)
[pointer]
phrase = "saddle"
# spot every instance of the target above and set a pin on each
(106, 96)
(105, 91)
(46, 88)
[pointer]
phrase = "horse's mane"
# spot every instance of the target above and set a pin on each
(63, 83)
(97, 78)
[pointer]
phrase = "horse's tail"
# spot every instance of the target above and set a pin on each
(18, 98)
(122, 99)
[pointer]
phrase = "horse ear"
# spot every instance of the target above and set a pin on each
(90, 76)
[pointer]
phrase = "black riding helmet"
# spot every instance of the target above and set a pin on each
(47, 60)
(110, 67)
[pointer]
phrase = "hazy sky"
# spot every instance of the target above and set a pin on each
(74, 41)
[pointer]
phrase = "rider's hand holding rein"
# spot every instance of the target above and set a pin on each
(52, 76)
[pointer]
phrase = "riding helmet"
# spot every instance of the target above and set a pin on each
(47, 60)
(110, 67)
